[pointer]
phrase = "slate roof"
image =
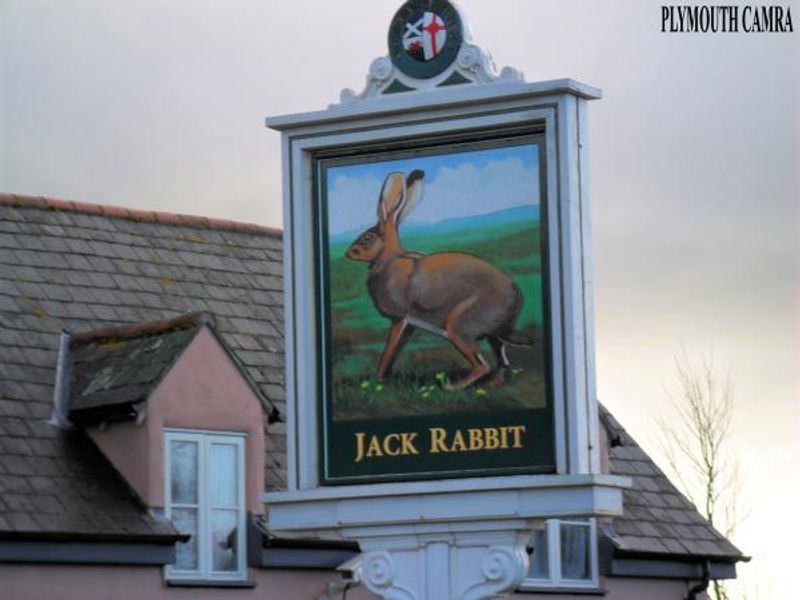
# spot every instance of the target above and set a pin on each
(83, 267)
(657, 519)
(112, 370)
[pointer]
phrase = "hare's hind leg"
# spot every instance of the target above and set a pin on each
(500, 376)
(398, 336)
(467, 346)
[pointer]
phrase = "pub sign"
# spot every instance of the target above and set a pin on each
(432, 291)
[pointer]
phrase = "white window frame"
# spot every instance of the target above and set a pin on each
(556, 580)
(204, 440)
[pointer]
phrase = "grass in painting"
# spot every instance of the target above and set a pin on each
(427, 362)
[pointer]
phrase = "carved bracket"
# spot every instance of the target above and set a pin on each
(379, 572)
(446, 565)
(503, 569)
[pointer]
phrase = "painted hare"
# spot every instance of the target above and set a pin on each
(453, 294)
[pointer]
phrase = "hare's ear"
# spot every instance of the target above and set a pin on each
(393, 195)
(414, 187)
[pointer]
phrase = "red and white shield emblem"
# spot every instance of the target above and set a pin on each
(425, 37)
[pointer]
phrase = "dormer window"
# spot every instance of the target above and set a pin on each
(564, 555)
(204, 498)
(151, 397)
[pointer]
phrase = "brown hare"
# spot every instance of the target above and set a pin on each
(452, 294)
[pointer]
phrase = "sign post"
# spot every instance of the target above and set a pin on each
(440, 367)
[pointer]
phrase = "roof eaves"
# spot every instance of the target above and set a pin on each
(71, 536)
(694, 557)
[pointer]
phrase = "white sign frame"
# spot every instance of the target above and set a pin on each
(559, 106)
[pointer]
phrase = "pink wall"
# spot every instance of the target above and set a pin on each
(628, 589)
(57, 582)
(125, 444)
(31, 582)
(203, 390)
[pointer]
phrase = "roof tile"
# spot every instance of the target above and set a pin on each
(11, 408)
(47, 504)
(20, 521)
(14, 446)
(17, 502)
(10, 427)
(13, 483)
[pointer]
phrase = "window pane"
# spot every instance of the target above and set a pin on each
(540, 563)
(185, 521)
(223, 475)
(575, 555)
(183, 465)
(223, 535)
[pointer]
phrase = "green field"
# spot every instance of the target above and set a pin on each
(358, 333)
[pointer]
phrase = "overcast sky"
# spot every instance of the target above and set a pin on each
(694, 152)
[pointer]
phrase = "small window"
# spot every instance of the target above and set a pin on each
(564, 555)
(204, 498)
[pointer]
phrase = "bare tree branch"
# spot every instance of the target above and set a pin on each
(696, 445)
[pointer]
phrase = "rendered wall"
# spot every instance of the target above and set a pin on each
(628, 589)
(63, 582)
(24, 582)
(125, 444)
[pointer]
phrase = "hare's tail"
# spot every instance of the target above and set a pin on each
(516, 338)
(508, 333)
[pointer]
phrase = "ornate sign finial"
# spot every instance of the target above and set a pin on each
(425, 37)
(429, 47)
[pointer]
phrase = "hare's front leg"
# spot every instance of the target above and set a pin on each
(398, 335)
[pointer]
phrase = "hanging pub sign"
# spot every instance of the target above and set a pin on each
(432, 289)
(438, 316)
(440, 400)
(437, 274)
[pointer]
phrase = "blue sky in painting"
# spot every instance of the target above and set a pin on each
(462, 184)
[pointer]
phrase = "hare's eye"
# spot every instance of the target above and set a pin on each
(368, 238)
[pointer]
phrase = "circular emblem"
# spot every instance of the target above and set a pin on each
(425, 37)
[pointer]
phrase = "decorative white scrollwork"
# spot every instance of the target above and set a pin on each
(469, 56)
(476, 64)
(503, 568)
(378, 571)
(380, 74)
(380, 69)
